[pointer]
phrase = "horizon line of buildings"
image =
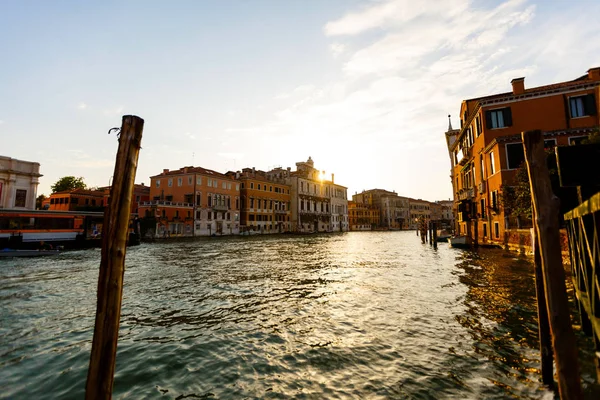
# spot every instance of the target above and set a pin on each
(195, 201)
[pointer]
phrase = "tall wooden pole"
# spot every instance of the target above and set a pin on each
(543, 325)
(546, 208)
(112, 265)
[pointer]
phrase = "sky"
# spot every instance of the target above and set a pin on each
(363, 87)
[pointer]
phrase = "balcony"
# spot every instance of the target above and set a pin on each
(466, 194)
(219, 207)
(165, 203)
(465, 155)
(481, 186)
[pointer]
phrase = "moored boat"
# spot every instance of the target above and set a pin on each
(28, 253)
(460, 241)
(443, 235)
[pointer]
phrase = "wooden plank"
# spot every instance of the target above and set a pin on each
(589, 206)
(112, 265)
(545, 211)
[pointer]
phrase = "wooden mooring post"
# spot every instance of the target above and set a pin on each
(545, 211)
(547, 357)
(112, 265)
(434, 238)
(431, 233)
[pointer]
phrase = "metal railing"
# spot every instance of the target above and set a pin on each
(583, 228)
(465, 194)
(165, 203)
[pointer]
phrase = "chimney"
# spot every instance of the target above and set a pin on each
(165, 171)
(518, 85)
(332, 178)
(594, 73)
(253, 171)
(185, 170)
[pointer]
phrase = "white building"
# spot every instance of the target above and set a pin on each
(18, 183)
(339, 207)
(310, 199)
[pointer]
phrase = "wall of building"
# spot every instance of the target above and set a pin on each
(546, 108)
(18, 183)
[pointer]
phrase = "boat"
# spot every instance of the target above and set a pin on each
(460, 241)
(28, 253)
(443, 236)
(23, 229)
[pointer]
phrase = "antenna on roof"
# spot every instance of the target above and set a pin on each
(449, 123)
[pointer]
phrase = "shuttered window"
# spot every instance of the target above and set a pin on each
(582, 106)
(500, 118)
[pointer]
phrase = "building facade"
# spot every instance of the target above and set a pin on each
(265, 201)
(393, 209)
(487, 150)
(76, 200)
(193, 201)
(447, 213)
(339, 207)
(19, 181)
(420, 210)
(317, 205)
(363, 217)
(310, 200)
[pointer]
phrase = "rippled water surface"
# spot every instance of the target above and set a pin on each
(357, 315)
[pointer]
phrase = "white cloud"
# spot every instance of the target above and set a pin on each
(392, 14)
(298, 91)
(416, 65)
(82, 106)
(337, 49)
(190, 135)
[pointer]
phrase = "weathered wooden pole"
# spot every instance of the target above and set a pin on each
(545, 209)
(112, 265)
(547, 358)
(434, 239)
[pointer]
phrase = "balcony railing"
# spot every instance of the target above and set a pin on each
(165, 203)
(465, 194)
(466, 155)
(220, 207)
(481, 187)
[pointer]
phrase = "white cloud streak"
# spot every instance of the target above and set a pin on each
(422, 61)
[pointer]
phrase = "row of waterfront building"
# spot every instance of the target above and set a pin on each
(195, 201)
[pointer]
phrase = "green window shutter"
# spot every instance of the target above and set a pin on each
(488, 120)
(589, 102)
(507, 116)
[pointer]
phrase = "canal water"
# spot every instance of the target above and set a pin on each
(365, 315)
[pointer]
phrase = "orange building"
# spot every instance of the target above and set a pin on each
(363, 217)
(487, 150)
(75, 200)
(193, 201)
(265, 201)
(141, 193)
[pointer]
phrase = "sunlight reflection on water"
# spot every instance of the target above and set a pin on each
(358, 315)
